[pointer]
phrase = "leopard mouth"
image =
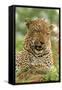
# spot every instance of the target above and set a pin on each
(38, 48)
(38, 53)
(41, 52)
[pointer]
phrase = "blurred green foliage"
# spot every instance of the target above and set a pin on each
(52, 15)
(22, 13)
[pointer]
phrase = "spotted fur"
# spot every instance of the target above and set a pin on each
(32, 60)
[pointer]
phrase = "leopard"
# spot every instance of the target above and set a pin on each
(35, 60)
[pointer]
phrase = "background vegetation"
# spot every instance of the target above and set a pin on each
(52, 15)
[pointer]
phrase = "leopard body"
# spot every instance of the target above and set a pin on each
(36, 57)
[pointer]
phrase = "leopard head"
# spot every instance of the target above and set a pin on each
(37, 39)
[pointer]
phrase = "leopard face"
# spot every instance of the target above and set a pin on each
(39, 43)
(37, 39)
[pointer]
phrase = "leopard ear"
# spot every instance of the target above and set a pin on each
(51, 27)
(28, 21)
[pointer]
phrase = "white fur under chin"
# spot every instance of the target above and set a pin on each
(39, 52)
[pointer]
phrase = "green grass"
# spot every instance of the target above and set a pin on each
(19, 43)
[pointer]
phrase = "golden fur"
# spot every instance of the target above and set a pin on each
(36, 57)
